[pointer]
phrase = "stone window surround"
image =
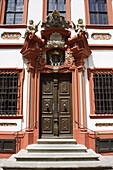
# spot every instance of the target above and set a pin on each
(19, 114)
(91, 93)
(2, 15)
(98, 26)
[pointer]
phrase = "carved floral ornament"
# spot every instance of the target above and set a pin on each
(55, 36)
(8, 124)
(103, 124)
(101, 36)
(11, 35)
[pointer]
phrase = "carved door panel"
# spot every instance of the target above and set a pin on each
(65, 105)
(56, 106)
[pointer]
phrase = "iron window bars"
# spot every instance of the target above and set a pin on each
(98, 12)
(8, 92)
(103, 91)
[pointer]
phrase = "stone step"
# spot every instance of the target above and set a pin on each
(55, 148)
(56, 141)
(23, 155)
(53, 154)
(62, 165)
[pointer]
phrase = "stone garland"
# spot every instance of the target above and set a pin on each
(11, 36)
(101, 36)
(104, 124)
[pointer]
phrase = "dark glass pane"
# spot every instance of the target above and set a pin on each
(9, 18)
(19, 5)
(51, 5)
(49, 13)
(61, 5)
(102, 5)
(10, 5)
(63, 14)
(92, 5)
(18, 18)
(93, 18)
(103, 19)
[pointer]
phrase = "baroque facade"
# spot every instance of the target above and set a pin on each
(56, 73)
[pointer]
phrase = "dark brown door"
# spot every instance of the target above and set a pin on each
(56, 106)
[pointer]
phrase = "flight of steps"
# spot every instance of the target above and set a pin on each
(50, 154)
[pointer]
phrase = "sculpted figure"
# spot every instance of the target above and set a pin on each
(31, 28)
(80, 27)
(55, 20)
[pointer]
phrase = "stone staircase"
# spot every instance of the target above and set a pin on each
(50, 154)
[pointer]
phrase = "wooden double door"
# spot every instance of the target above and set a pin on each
(56, 106)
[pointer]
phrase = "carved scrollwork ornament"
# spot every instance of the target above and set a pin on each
(42, 58)
(56, 44)
(55, 20)
(68, 58)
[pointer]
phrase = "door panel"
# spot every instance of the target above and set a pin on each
(65, 112)
(56, 106)
(46, 105)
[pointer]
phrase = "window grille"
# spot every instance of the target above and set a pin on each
(103, 90)
(59, 5)
(98, 12)
(14, 12)
(8, 92)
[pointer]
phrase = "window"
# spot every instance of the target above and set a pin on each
(63, 6)
(13, 12)
(59, 5)
(10, 91)
(98, 12)
(101, 91)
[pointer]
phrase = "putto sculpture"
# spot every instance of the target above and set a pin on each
(80, 28)
(31, 28)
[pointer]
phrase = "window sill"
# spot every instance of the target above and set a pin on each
(91, 26)
(13, 26)
(11, 116)
(100, 116)
(11, 45)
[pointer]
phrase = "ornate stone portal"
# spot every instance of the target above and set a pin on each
(57, 52)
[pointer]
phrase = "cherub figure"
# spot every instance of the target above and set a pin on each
(31, 28)
(80, 27)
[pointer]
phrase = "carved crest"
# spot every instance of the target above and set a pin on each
(55, 20)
